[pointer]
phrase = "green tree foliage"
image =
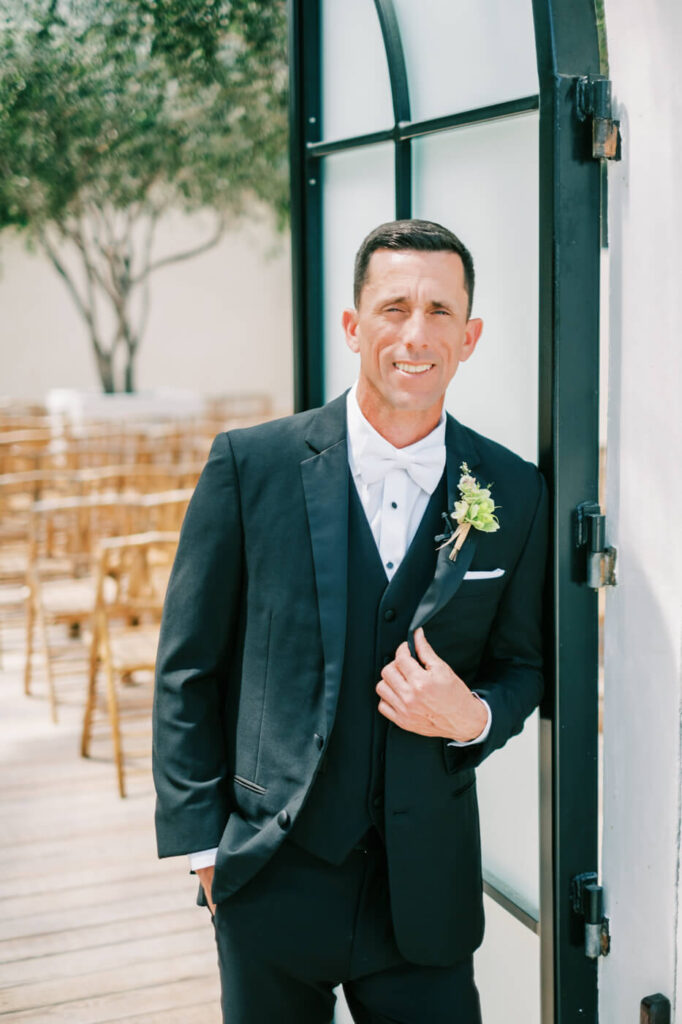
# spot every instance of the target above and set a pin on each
(113, 113)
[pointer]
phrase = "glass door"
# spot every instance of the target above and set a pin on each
(448, 111)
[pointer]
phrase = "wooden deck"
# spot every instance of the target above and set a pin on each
(93, 927)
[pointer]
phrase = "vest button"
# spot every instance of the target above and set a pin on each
(283, 820)
(319, 741)
(389, 614)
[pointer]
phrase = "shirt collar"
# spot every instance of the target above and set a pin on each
(361, 433)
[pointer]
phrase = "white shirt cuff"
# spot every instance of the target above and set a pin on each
(484, 735)
(202, 859)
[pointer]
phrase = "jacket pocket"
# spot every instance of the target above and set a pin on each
(250, 710)
(248, 784)
(467, 780)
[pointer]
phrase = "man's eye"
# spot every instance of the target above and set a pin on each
(441, 312)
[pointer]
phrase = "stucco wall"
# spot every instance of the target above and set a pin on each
(220, 322)
(644, 495)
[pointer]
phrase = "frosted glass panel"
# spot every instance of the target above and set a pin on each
(463, 54)
(358, 196)
(507, 970)
(482, 183)
(508, 792)
(355, 84)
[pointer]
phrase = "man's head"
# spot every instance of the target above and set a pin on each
(419, 236)
(411, 326)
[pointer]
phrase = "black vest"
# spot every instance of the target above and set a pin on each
(347, 797)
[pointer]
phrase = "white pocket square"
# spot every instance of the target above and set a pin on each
(484, 574)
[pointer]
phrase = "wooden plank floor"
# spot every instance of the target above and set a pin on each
(93, 927)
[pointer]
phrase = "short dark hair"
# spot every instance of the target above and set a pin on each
(418, 235)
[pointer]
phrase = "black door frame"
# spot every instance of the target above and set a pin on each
(569, 201)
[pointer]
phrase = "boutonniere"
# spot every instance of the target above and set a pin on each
(475, 508)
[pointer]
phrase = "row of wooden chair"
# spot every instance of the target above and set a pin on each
(65, 541)
(90, 515)
(83, 563)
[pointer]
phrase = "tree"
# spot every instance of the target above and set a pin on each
(113, 113)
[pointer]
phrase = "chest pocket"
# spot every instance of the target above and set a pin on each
(458, 632)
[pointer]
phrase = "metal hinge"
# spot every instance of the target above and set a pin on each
(587, 902)
(593, 102)
(600, 560)
(655, 1009)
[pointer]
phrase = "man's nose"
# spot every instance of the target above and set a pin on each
(414, 329)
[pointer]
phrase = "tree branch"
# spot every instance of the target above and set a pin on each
(90, 280)
(81, 304)
(166, 261)
(77, 239)
(143, 276)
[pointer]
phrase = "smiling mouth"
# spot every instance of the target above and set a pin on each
(413, 368)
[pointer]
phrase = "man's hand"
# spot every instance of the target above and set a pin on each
(429, 698)
(206, 879)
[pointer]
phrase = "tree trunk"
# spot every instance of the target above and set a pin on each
(105, 366)
(130, 373)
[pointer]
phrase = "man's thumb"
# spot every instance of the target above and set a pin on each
(425, 651)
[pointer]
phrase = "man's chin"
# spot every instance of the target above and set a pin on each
(410, 399)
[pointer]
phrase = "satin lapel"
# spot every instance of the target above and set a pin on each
(325, 485)
(449, 575)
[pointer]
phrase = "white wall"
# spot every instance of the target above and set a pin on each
(644, 495)
(220, 322)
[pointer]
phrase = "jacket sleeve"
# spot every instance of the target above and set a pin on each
(510, 676)
(198, 633)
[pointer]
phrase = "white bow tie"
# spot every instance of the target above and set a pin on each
(425, 467)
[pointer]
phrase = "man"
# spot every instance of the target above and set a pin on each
(316, 723)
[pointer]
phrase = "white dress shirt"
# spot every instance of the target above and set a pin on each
(394, 506)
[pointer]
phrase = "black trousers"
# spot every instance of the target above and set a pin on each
(302, 926)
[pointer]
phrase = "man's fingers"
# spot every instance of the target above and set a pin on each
(394, 677)
(388, 712)
(206, 879)
(389, 695)
(425, 651)
(404, 660)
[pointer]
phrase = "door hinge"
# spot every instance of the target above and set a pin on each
(655, 1009)
(600, 560)
(593, 103)
(587, 903)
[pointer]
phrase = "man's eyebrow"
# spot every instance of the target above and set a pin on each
(440, 304)
(393, 301)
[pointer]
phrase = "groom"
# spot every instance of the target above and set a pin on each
(328, 681)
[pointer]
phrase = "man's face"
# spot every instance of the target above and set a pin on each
(410, 329)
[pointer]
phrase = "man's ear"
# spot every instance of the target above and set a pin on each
(349, 321)
(473, 332)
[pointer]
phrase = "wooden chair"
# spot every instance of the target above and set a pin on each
(60, 580)
(61, 575)
(132, 575)
(163, 510)
(13, 599)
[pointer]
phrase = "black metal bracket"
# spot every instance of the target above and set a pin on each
(655, 1009)
(587, 903)
(593, 102)
(600, 560)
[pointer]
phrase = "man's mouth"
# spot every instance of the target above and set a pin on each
(413, 367)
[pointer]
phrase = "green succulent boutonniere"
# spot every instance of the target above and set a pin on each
(475, 508)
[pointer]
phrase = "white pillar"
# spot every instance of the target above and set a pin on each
(641, 843)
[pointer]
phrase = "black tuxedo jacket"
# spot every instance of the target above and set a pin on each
(251, 654)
